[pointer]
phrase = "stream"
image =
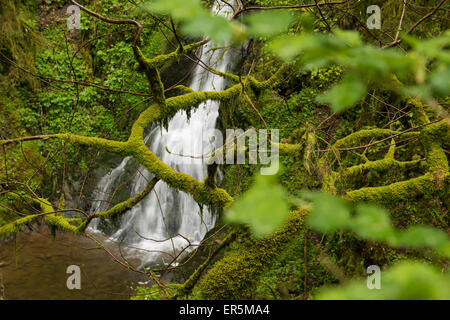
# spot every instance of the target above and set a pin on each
(38, 270)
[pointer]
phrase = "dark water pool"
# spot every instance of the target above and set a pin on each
(38, 271)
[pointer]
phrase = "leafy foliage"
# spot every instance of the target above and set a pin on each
(364, 63)
(347, 93)
(330, 214)
(197, 21)
(405, 281)
(263, 207)
(268, 23)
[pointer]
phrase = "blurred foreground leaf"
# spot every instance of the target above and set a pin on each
(263, 207)
(268, 23)
(331, 214)
(405, 281)
(345, 94)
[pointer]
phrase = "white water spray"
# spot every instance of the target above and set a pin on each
(167, 221)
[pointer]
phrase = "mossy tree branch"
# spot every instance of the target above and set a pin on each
(236, 274)
(118, 209)
(187, 287)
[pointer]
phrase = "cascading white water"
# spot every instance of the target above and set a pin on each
(163, 220)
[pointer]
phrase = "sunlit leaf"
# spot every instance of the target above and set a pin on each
(329, 213)
(424, 91)
(178, 9)
(405, 281)
(345, 94)
(351, 38)
(218, 29)
(424, 236)
(372, 223)
(263, 207)
(286, 47)
(268, 23)
(440, 81)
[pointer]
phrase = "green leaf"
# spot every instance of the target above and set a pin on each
(178, 9)
(422, 91)
(433, 48)
(345, 94)
(372, 223)
(197, 21)
(269, 23)
(263, 207)
(406, 281)
(439, 81)
(217, 28)
(329, 213)
(286, 47)
(351, 38)
(424, 236)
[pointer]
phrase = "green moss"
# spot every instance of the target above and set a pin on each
(379, 165)
(184, 89)
(181, 181)
(45, 207)
(193, 99)
(60, 222)
(118, 209)
(117, 147)
(189, 284)
(236, 275)
(297, 272)
(432, 138)
(355, 138)
(255, 84)
(15, 226)
(419, 115)
(156, 292)
(274, 80)
(160, 59)
(427, 184)
(149, 115)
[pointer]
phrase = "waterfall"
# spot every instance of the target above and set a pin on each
(165, 222)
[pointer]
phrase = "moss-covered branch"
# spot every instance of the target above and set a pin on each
(53, 218)
(388, 162)
(15, 226)
(187, 287)
(435, 180)
(117, 147)
(235, 275)
(159, 60)
(161, 110)
(119, 208)
(181, 181)
(427, 184)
